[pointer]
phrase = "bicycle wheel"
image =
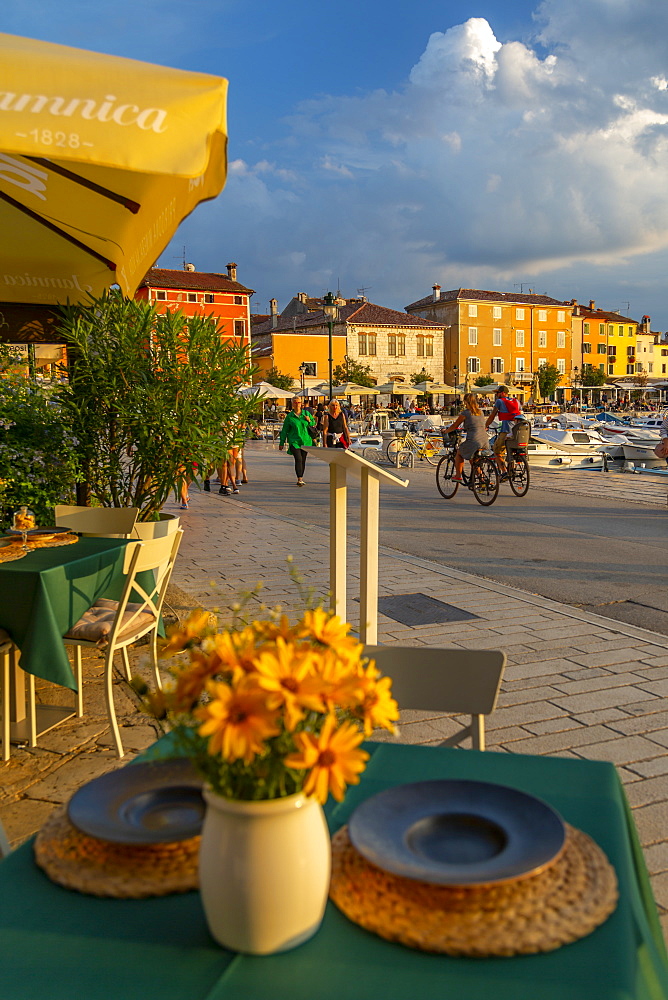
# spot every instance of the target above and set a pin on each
(485, 481)
(518, 477)
(433, 448)
(444, 473)
(393, 448)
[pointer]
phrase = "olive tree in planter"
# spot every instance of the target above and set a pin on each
(151, 399)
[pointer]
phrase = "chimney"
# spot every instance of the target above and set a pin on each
(232, 272)
(273, 306)
(576, 307)
(436, 292)
(592, 305)
(188, 267)
(646, 324)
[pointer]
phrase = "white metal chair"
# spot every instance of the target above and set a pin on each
(115, 625)
(109, 522)
(453, 681)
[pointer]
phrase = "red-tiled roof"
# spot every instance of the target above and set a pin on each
(478, 295)
(607, 317)
(201, 281)
(360, 314)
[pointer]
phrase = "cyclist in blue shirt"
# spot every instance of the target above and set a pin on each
(508, 410)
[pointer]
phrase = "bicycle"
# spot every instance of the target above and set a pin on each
(517, 469)
(428, 447)
(483, 480)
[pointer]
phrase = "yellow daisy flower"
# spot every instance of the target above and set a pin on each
(378, 708)
(326, 628)
(180, 636)
(237, 720)
(287, 674)
(331, 757)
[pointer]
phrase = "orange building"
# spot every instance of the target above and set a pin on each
(200, 293)
(506, 336)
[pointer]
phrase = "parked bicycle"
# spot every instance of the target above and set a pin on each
(483, 480)
(428, 446)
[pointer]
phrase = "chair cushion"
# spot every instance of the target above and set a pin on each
(96, 624)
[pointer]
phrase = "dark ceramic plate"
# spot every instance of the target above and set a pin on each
(457, 832)
(152, 803)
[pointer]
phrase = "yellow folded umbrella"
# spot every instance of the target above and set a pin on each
(101, 158)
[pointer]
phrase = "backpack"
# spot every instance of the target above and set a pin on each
(512, 410)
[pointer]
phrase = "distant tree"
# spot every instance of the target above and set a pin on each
(353, 371)
(484, 380)
(280, 379)
(549, 378)
(592, 376)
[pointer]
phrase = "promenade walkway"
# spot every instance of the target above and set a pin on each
(576, 684)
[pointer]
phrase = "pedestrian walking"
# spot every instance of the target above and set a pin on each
(298, 430)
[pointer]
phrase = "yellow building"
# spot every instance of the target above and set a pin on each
(507, 336)
(608, 342)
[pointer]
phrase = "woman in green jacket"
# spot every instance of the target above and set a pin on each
(295, 431)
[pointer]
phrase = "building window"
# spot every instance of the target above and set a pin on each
(208, 297)
(161, 295)
(663, 369)
(630, 331)
(473, 335)
(496, 312)
(621, 331)
(651, 348)
(429, 347)
(542, 315)
(240, 328)
(519, 338)
(561, 366)
(650, 367)
(542, 338)
(542, 361)
(519, 364)
(497, 337)
(519, 314)
(362, 347)
(601, 368)
(601, 329)
(561, 339)
(310, 368)
(611, 369)
(192, 296)
(638, 366)
(664, 352)
(392, 343)
(473, 365)
(497, 366)
(611, 330)
(586, 348)
(585, 329)
(630, 351)
(372, 343)
(561, 316)
(630, 370)
(602, 349)
(473, 309)
(420, 347)
(238, 300)
(401, 345)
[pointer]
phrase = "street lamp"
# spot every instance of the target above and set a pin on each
(302, 373)
(329, 309)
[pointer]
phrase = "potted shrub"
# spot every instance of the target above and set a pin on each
(151, 398)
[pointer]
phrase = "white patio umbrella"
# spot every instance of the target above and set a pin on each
(394, 388)
(351, 389)
(263, 390)
(437, 388)
(314, 390)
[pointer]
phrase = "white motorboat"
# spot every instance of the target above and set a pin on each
(559, 449)
(639, 450)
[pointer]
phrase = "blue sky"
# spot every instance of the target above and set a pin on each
(391, 145)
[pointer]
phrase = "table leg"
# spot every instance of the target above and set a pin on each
(26, 726)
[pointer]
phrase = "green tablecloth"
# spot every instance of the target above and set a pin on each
(56, 944)
(46, 592)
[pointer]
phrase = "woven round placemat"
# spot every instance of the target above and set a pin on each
(8, 553)
(52, 543)
(98, 868)
(565, 902)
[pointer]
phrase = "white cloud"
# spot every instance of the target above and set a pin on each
(493, 160)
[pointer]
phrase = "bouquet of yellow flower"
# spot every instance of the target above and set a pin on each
(274, 708)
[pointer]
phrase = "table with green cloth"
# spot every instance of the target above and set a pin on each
(43, 594)
(56, 944)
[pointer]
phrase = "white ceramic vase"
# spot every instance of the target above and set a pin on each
(264, 871)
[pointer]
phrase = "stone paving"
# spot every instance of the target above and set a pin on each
(576, 684)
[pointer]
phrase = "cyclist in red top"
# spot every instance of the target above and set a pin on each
(508, 410)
